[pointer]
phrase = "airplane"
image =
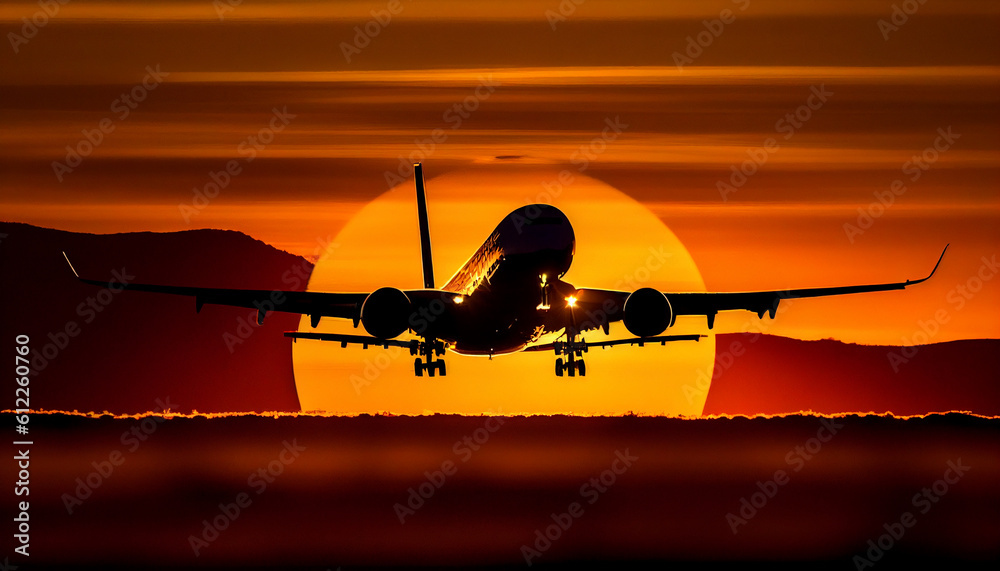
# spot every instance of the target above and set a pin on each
(507, 295)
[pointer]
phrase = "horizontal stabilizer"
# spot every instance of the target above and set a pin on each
(563, 347)
(363, 340)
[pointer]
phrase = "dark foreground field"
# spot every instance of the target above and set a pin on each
(331, 492)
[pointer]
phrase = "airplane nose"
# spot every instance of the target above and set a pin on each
(540, 230)
(537, 226)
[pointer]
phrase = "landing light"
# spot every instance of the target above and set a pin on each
(571, 301)
(458, 299)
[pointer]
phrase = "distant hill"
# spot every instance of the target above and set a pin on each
(129, 349)
(779, 375)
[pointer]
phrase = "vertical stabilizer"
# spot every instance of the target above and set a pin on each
(425, 235)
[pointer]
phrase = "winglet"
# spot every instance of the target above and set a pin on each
(934, 271)
(71, 265)
(939, 260)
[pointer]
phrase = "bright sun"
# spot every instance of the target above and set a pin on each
(619, 245)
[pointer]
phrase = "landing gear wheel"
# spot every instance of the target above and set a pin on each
(559, 367)
(582, 368)
(571, 366)
(431, 368)
(418, 367)
(441, 369)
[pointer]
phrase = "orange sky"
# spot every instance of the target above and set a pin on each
(550, 92)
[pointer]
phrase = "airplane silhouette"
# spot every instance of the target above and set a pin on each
(502, 300)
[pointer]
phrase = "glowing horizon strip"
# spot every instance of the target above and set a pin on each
(609, 75)
(304, 11)
(582, 75)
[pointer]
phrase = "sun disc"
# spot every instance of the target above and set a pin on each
(620, 245)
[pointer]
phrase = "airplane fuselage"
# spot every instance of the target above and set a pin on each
(509, 292)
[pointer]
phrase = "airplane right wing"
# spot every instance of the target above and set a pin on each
(313, 304)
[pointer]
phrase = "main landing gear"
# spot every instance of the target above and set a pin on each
(573, 364)
(429, 348)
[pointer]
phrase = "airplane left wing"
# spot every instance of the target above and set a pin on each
(612, 303)
(313, 304)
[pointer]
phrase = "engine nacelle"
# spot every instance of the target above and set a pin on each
(385, 313)
(647, 312)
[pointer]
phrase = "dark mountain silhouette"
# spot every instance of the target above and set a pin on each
(121, 352)
(780, 375)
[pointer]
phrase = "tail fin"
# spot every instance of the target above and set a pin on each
(425, 235)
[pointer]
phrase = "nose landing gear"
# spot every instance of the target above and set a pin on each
(429, 348)
(431, 367)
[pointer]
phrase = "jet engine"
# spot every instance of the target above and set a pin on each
(385, 313)
(647, 312)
